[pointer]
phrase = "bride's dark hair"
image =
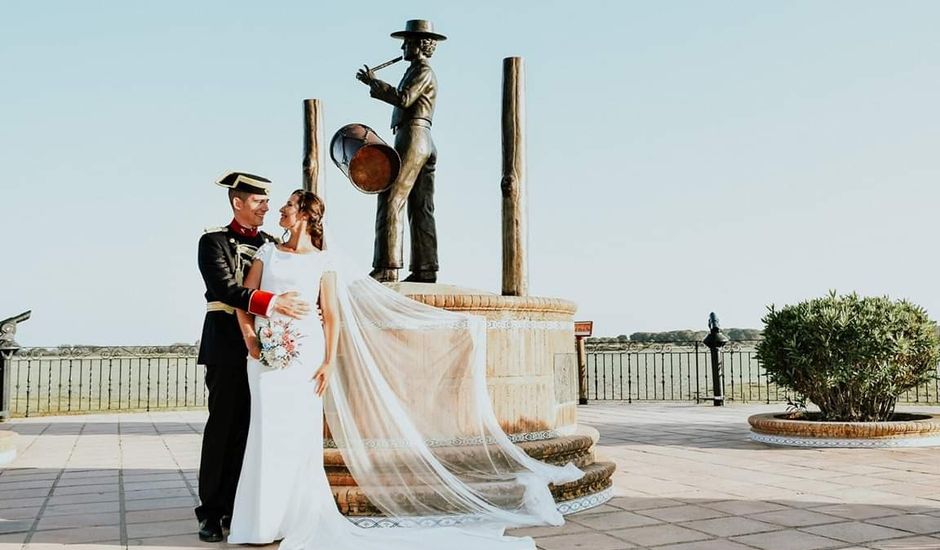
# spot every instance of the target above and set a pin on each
(312, 205)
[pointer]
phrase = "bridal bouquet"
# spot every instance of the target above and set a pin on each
(278, 339)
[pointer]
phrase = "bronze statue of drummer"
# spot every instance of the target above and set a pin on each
(413, 102)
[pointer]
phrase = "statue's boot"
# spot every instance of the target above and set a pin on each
(422, 277)
(384, 275)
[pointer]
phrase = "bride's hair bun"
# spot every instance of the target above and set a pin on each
(312, 205)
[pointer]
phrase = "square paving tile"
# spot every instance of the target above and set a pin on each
(854, 531)
(788, 540)
(6, 486)
(731, 526)
(588, 541)
(79, 520)
(644, 503)
(86, 489)
(568, 528)
(717, 544)
(615, 520)
(78, 535)
(908, 543)
(110, 479)
(180, 542)
(602, 509)
(15, 494)
(744, 507)
(796, 518)
(13, 503)
(90, 498)
(81, 508)
(15, 526)
(12, 540)
(683, 513)
(163, 514)
(158, 503)
(161, 529)
(655, 535)
(858, 511)
(921, 524)
(158, 493)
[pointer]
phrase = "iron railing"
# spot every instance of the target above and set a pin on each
(681, 371)
(82, 379)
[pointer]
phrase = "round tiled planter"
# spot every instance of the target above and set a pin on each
(913, 430)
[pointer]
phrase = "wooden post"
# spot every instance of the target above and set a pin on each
(513, 183)
(314, 147)
(582, 371)
(582, 329)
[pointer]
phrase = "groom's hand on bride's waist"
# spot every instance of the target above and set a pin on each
(290, 305)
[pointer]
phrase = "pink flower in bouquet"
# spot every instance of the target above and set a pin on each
(278, 343)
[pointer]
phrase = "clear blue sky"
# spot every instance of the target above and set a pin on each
(683, 157)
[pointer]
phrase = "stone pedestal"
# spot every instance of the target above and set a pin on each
(532, 378)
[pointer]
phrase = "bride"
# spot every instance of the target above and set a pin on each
(403, 389)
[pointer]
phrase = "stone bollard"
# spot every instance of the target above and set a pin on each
(8, 347)
(715, 341)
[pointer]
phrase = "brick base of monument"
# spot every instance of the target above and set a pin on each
(577, 449)
(532, 378)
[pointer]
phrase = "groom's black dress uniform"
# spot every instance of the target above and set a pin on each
(225, 254)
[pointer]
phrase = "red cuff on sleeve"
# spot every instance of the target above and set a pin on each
(259, 302)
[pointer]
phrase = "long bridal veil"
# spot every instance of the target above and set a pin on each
(409, 410)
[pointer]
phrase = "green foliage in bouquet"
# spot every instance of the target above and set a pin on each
(850, 356)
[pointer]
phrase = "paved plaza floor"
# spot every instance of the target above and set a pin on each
(687, 478)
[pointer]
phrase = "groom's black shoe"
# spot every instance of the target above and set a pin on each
(210, 530)
(227, 523)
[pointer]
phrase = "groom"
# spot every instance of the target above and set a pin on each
(225, 254)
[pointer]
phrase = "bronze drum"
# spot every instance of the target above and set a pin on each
(369, 163)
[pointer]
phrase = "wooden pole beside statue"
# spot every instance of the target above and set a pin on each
(513, 183)
(314, 148)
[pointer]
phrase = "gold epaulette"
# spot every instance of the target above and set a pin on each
(215, 229)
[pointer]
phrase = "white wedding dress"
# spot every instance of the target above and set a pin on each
(385, 429)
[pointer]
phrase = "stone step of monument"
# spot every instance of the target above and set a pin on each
(576, 449)
(7, 446)
(352, 501)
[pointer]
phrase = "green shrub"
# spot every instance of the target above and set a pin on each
(850, 356)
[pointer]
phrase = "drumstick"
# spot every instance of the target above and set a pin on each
(386, 64)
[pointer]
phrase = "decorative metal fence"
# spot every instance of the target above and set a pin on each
(74, 379)
(681, 371)
(96, 379)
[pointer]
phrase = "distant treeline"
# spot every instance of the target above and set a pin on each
(734, 334)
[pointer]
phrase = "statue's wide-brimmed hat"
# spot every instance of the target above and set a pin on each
(418, 28)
